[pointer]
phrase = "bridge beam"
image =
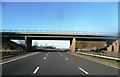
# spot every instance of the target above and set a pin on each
(72, 45)
(28, 44)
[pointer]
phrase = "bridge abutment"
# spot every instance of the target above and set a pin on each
(28, 44)
(110, 48)
(113, 46)
(72, 45)
(116, 46)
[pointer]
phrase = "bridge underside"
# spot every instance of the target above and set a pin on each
(28, 41)
(61, 38)
(72, 37)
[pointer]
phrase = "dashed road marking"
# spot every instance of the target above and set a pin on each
(83, 70)
(35, 71)
(44, 58)
(47, 54)
(66, 58)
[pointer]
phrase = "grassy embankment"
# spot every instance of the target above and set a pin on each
(10, 48)
(110, 61)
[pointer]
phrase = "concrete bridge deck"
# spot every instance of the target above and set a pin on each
(59, 36)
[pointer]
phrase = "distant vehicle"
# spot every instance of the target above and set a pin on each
(100, 52)
(66, 50)
(91, 50)
(78, 49)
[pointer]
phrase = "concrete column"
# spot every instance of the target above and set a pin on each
(109, 46)
(72, 45)
(5, 39)
(28, 44)
(116, 46)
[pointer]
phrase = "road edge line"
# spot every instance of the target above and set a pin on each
(96, 61)
(17, 58)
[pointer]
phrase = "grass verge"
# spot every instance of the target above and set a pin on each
(113, 62)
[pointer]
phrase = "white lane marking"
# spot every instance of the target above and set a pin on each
(35, 71)
(66, 58)
(17, 58)
(83, 70)
(47, 54)
(44, 58)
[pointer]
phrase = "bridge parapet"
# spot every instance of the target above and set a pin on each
(63, 32)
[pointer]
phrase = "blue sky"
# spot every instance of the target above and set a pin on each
(67, 16)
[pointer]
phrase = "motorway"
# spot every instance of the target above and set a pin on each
(55, 63)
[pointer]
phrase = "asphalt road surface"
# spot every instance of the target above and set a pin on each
(55, 63)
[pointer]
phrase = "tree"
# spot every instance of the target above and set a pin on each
(35, 46)
(48, 47)
(89, 44)
(21, 42)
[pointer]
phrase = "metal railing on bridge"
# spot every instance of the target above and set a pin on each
(63, 31)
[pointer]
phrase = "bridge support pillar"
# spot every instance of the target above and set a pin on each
(109, 46)
(5, 39)
(116, 46)
(72, 45)
(28, 44)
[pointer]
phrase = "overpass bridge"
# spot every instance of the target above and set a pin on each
(28, 36)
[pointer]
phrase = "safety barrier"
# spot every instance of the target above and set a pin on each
(100, 56)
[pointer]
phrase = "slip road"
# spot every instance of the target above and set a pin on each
(55, 63)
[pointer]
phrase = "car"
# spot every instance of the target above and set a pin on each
(91, 51)
(78, 49)
(66, 50)
(100, 52)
